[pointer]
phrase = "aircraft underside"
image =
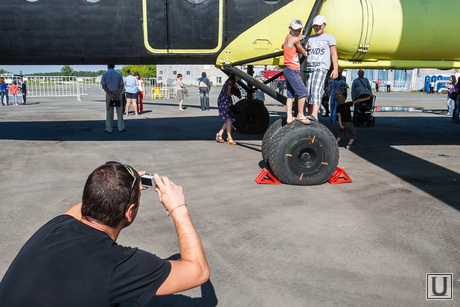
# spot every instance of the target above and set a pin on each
(369, 33)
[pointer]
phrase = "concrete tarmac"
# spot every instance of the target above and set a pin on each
(370, 242)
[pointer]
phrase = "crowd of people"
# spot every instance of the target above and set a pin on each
(314, 81)
(14, 89)
(120, 94)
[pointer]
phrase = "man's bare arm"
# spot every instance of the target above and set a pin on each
(335, 62)
(193, 269)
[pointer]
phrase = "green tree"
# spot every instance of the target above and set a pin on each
(145, 71)
(66, 70)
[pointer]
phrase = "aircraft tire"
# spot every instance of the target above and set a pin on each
(252, 118)
(303, 154)
(271, 131)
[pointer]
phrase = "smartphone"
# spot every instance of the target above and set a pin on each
(147, 181)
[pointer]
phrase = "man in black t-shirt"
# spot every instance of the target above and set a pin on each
(74, 259)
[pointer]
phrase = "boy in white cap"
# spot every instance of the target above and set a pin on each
(294, 87)
(321, 48)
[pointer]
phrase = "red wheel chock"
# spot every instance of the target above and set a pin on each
(340, 176)
(266, 177)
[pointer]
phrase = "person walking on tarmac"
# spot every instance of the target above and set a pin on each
(224, 102)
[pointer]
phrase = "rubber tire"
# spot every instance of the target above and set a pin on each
(253, 117)
(303, 154)
(271, 131)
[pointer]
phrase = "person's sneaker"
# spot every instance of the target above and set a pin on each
(348, 147)
(448, 114)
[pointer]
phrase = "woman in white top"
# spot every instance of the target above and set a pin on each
(140, 93)
(131, 93)
(180, 91)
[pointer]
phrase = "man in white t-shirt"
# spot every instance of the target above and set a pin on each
(321, 48)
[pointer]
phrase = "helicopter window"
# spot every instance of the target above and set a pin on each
(93, 1)
(195, 1)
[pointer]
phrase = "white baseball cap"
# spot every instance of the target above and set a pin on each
(296, 23)
(319, 20)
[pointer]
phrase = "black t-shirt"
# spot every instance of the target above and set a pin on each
(344, 110)
(68, 263)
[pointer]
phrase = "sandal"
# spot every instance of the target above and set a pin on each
(231, 142)
(219, 138)
(304, 121)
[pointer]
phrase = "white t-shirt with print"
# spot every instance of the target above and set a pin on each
(319, 52)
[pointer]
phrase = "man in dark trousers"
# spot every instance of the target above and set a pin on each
(74, 260)
(113, 85)
(23, 90)
(204, 86)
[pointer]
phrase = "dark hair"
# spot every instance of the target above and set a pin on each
(454, 79)
(179, 75)
(231, 77)
(108, 193)
(128, 71)
(203, 74)
(111, 66)
(137, 74)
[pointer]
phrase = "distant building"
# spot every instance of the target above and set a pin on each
(404, 80)
(190, 74)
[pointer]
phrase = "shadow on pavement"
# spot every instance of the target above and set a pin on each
(137, 129)
(208, 298)
(378, 146)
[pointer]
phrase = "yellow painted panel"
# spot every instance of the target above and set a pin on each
(272, 29)
(402, 32)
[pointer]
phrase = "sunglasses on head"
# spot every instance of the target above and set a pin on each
(130, 170)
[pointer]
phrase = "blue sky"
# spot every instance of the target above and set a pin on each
(31, 69)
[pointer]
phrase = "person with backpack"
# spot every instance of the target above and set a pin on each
(359, 85)
(204, 87)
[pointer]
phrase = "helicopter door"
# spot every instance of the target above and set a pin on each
(183, 26)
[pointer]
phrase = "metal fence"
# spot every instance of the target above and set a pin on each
(71, 86)
(80, 86)
(49, 86)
